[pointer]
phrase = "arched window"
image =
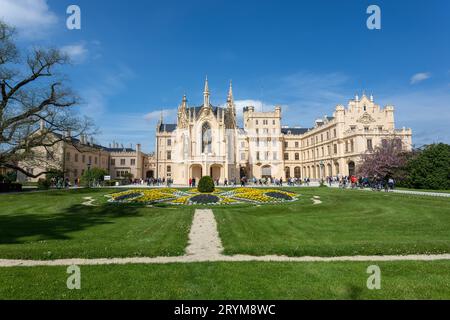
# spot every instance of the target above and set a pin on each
(297, 172)
(287, 171)
(206, 138)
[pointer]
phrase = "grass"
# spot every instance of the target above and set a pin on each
(54, 224)
(348, 222)
(239, 280)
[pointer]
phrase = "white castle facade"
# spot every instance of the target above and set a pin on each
(206, 140)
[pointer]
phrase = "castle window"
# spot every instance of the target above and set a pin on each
(169, 155)
(365, 108)
(169, 169)
(133, 162)
(369, 145)
(206, 138)
(286, 156)
(122, 162)
(113, 162)
(297, 156)
(296, 144)
(169, 142)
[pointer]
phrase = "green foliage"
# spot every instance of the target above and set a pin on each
(43, 184)
(430, 168)
(10, 176)
(206, 184)
(54, 174)
(93, 176)
(111, 183)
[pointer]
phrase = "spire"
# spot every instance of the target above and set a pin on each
(230, 92)
(206, 94)
(184, 102)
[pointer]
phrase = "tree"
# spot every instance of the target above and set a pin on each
(430, 168)
(385, 161)
(34, 96)
(93, 176)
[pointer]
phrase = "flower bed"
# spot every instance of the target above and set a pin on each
(193, 197)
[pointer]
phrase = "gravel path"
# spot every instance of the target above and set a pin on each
(205, 246)
(204, 240)
(216, 258)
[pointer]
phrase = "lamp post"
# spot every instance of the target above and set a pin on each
(89, 175)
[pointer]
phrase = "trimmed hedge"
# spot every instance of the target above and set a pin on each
(206, 184)
(10, 187)
(43, 184)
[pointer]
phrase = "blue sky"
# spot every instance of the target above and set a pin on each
(133, 59)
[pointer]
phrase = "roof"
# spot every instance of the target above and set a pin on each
(294, 131)
(120, 149)
(167, 127)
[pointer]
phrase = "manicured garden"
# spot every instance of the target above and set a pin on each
(61, 224)
(195, 197)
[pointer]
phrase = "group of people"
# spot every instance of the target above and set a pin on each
(153, 182)
(376, 183)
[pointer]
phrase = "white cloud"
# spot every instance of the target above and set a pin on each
(32, 18)
(421, 76)
(168, 115)
(76, 52)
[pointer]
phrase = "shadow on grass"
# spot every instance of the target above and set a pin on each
(46, 226)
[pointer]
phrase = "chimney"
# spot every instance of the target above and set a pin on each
(138, 147)
(92, 141)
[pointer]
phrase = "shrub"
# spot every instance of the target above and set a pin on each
(93, 176)
(206, 184)
(10, 187)
(111, 183)
(43, 184)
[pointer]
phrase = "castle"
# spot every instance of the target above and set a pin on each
(206, 140)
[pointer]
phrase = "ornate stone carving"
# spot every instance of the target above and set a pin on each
(366, 118)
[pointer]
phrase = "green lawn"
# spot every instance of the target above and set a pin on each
(54, 224)
(348, 222)
(240, 280)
